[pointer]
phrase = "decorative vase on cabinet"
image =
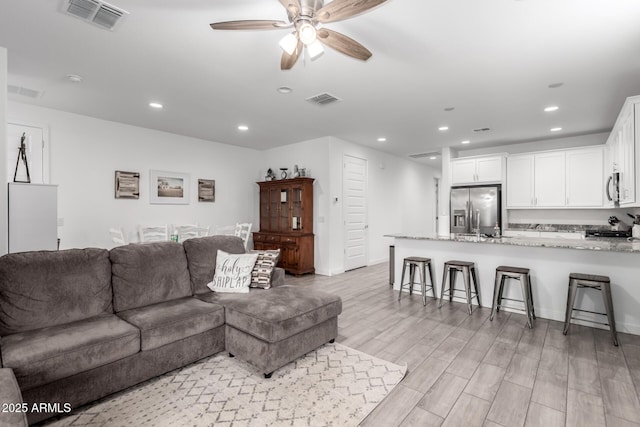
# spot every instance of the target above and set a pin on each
(286, 222)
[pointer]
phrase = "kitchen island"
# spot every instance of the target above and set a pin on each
(551, 260)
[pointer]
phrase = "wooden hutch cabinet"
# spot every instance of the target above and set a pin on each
(286, 222)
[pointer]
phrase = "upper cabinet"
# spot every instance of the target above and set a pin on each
(623, 152)
(477, 170)
(519, 184)
(556, 179)
(549, 179)
(585, 168)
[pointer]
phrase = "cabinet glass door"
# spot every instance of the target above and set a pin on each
(274, 208)
(283, 214)
(296, 208)
(264, 209)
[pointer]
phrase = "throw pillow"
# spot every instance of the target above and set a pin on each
(263, 270)
(233, 272)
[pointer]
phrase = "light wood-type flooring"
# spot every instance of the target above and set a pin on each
(464, 370)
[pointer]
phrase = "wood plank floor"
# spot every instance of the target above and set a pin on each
(464, 370)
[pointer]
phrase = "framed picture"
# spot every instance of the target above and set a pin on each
(206, 190)
(127, 185)
(169, 187)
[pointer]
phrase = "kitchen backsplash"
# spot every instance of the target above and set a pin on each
(557, 227)
(561, 218)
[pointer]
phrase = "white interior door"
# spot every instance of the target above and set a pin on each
(36, 152)
(354, 184)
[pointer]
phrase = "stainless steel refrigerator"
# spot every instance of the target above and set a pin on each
(476, 207)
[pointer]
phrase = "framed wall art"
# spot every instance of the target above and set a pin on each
(206, 190)
(127, 185)
(169, 187)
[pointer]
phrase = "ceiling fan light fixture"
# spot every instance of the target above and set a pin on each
(315, 50)
(307, 33)
(289, 43)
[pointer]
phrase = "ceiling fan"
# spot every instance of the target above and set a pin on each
(304, 16)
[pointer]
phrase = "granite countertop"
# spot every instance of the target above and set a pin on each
(599, 244)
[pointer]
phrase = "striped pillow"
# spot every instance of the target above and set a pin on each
(263, 269)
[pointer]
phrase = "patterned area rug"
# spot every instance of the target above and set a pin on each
(331, 386)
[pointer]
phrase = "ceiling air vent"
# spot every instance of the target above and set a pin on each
(422, 155)
(23, 91)
(96, 12)
(482, 130)
(323, 99)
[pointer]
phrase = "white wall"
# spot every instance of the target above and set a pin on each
(401, 195)
(86, 152)
(4, 224)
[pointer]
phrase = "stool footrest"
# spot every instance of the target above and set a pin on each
(589, 311)
(447, 292)
(510, 307)
(590, 321)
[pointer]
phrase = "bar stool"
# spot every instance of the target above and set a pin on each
(601, 283)
(504, 272)
(421, 264)
(468, 270)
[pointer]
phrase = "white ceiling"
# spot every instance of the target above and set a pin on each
(492, 60)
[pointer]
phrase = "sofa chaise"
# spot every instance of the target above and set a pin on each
(77, 325)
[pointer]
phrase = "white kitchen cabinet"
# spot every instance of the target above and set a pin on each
(623, 153)
(520, 190)
(477, 170)
(489, 169)
(584, 184)
(627, 160)
(556, 179)
(549, 179)
(463, 171)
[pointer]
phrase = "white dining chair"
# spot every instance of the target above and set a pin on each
(153, 233)
(117, 236)
(243, 230)
(189, 231)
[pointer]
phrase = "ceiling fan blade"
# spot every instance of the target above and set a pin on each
(249, 25)
(293, 7)
(288, 61)
(338, 10)
(343, 44)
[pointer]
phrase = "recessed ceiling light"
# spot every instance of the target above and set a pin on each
(284, 89)
(551, 108)
(466, 141)
(555, 85)
(243, 127)
(555, 129)
(443, 128)
(432, 158)
(155, 105)
(382, 139)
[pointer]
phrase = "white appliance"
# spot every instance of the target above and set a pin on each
(33, 217)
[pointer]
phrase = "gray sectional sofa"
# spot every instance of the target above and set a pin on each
(77, 325)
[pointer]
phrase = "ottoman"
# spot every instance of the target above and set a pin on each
(12, 412)
(275, 327)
